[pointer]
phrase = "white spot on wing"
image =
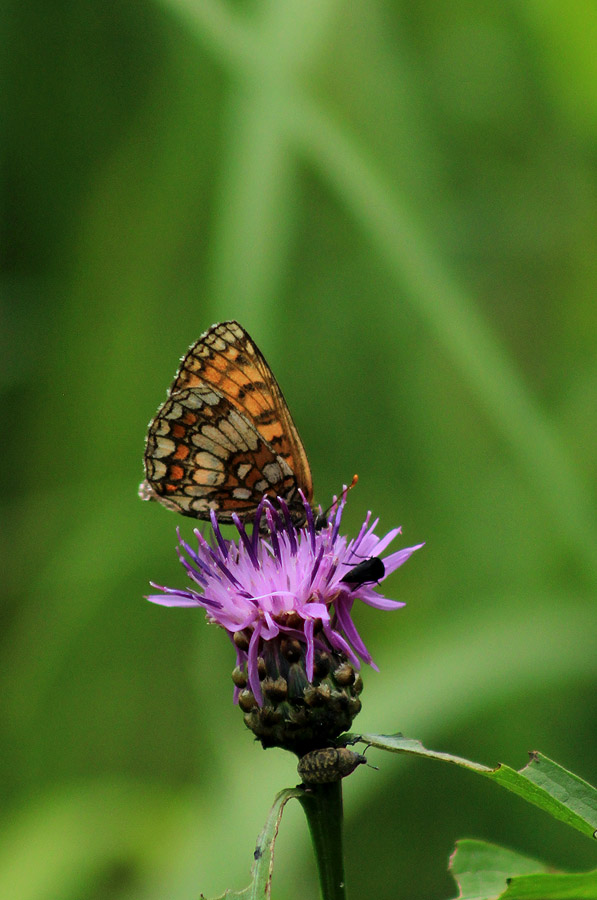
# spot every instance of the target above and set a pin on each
(208, 461)
(236, 440)
(273, 472)
(205, 443)
(208, 477)
(192, 401)
(159, 469)
(245, 429)
(164, 447)
(211, 397)
(175, 412)
(286, 470)
(219, 436)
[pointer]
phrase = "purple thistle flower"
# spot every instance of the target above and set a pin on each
(287, 584)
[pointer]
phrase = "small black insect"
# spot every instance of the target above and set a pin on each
(372, 569)
(328, 764)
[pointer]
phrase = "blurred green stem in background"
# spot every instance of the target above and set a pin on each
(410, 257)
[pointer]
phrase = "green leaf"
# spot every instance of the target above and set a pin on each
(482, 870)
(263, 865)
(542, 782)
(554, 886)
(487, 872)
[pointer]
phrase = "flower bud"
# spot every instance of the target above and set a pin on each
(296, 713)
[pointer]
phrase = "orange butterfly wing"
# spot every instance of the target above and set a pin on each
(224, 437)
(227, 359)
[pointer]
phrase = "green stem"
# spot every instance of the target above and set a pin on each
(322, 804)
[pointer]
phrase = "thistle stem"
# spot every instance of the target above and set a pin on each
(322, 804)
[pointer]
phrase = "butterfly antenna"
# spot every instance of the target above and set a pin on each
(322, 519)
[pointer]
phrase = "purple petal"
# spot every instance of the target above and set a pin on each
(394, 560)
(310, 655)
(172, 600)
(370, 598)
(290, 529)
(257, 522)
(192, 571)
(339, 643)
(361, 534)
(219, 563)
(386, 541)
(254, 682)
(316, 565)
(313, 610)
(270, 629)
(350, 630)
(201, 565)
(273, 534)
(338, 518)
(310, 520)
(247, 542)
(218, 534)
(332, 571)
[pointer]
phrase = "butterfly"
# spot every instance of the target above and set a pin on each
(225, 437)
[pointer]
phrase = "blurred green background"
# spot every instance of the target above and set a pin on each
(399, 202)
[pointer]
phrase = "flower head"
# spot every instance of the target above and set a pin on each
(285, 595)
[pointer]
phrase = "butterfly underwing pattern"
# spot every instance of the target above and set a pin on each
(224, 437)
